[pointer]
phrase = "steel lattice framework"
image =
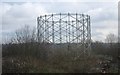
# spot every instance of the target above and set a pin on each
(70, 28)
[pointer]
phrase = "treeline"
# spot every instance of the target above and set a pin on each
(24, 50)
(101, 48)
(41, 49)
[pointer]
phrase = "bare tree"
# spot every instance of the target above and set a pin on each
(25, 35)
(111, 38)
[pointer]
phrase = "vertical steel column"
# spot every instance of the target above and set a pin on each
(89, 36)
(77, 27)
(72, 32)
(87, 27)
(45, 39)
(39, 29)
(69, 26)
(38, 25)
(48, 28)
(53, 40)
(83, 34)
(43, 29)
(60, 29)
(66, 32)
(84, 49)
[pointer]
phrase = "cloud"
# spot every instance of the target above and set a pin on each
(20, 14)
(101, 29)
(103, 14)
(59, 0)
(104, 20)
(26, 10)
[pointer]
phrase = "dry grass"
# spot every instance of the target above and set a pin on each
(57, 64)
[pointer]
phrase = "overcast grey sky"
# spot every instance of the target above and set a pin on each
(15, 14)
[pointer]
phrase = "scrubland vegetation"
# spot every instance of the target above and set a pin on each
(25, 55)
